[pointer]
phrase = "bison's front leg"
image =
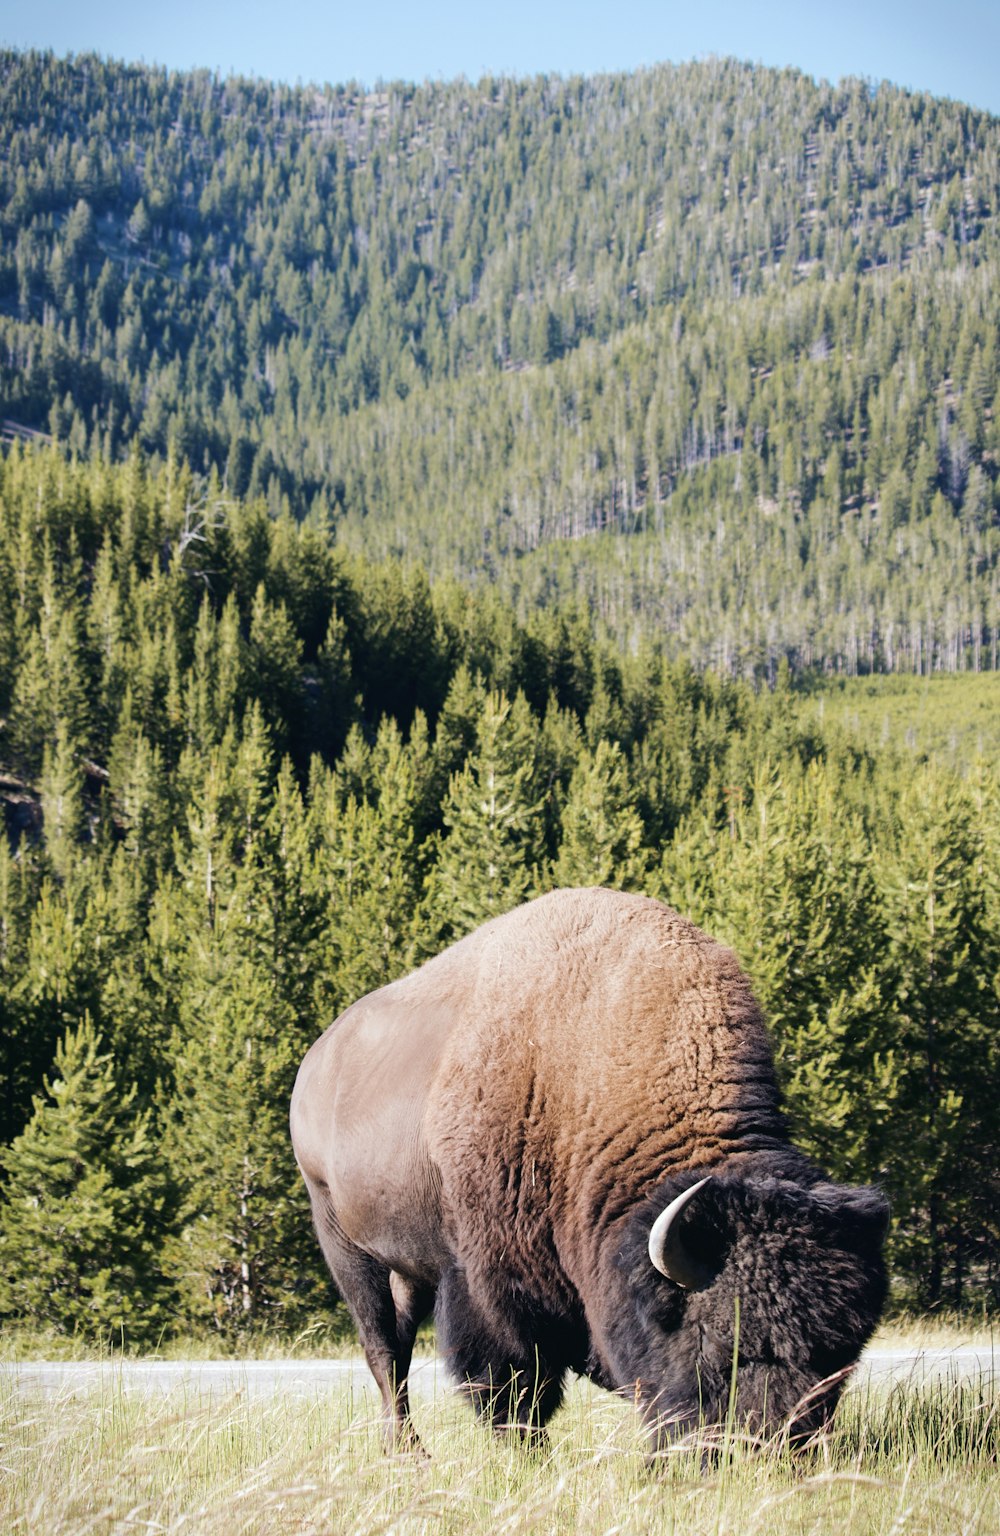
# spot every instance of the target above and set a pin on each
(516, 1400)
(512, 1385)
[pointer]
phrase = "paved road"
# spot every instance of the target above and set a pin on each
(307, 1378)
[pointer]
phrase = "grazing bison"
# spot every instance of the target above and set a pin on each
(564, 1135)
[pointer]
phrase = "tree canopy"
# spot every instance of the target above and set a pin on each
(267, 777)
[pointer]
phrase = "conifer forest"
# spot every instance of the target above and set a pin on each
(414, 499)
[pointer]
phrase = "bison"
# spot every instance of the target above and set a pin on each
(564, 1135)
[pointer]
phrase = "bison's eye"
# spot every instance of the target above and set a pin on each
(713, 1349)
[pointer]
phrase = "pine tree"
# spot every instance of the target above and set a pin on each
(139, 789)
(455, 734)
(20, 1066)
(83, 1217)
(274, 669)
(824, 999)
(788, 882)
(489, 852)
(368, 866)
(601, 829)
(105, 628)
(242, 1256)
(57, 982)
(49, 692)
(62, 800)
(242, 1252)
(336, 703)
(369, 877)
(941, 964)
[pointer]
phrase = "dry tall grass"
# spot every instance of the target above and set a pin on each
(901, 1461)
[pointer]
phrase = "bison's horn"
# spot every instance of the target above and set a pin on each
(666, 1246)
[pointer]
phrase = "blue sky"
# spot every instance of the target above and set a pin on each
(950, 50)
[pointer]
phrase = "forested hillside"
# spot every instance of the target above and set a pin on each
(711, 349)
(445, 487)
(247, 777)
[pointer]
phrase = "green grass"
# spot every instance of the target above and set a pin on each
(334, 1338)
(330, 1338)
(939, 1330)
(114, 1461)
(949, 717)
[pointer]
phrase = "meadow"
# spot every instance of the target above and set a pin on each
(950, 718)
(900, 1460)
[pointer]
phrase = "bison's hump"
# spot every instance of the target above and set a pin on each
(600, 1040)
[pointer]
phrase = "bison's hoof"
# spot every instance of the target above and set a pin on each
(404, 1442)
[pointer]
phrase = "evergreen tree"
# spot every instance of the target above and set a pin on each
(49, 694)
(602, 833)
(82, 1222)
(55, 985)
(61, 788)
(139, 790)
(941, 968)
(20, 1066)
(336, 704)
(275, 670)
(788, 881)
(487, 859)
(242, 1256)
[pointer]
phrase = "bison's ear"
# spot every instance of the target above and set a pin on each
(864, 1211)
(683, 1244)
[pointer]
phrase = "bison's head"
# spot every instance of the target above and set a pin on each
(787, 1276)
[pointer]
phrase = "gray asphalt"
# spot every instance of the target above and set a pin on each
(308, 1378)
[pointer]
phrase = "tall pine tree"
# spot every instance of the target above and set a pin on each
(82, 1224)
(487, 862)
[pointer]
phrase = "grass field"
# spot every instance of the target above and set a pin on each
(111, 1461)
(333, 1338)
(952, 718)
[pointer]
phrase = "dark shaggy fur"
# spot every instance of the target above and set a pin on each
(512, 1364)
(495, 1135)
(801, 1257)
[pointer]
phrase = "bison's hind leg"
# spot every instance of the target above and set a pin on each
(388, 1309)
(502, 1366)
(412, 1303)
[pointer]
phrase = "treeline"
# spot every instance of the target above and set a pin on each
(711, 351)
(247, 778)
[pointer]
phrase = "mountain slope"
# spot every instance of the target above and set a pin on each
(747, 322)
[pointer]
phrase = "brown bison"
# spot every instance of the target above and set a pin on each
(564, 1135)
